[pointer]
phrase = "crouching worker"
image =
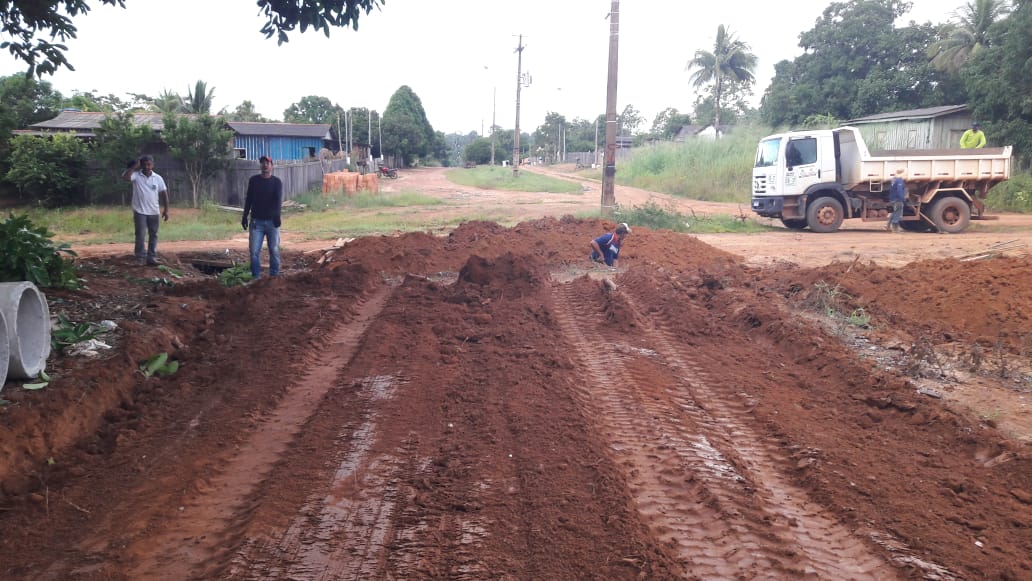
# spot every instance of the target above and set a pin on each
(606, 248)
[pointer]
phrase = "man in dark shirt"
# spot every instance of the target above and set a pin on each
(264, 201)
(897, 196)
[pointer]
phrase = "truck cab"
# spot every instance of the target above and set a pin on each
(790, 167)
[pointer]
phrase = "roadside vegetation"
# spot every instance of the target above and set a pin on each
(500, 178)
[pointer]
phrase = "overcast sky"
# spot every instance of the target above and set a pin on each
(457, 55)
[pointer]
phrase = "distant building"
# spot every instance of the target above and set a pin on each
(701, 131)
(280, 141)
(929, 128)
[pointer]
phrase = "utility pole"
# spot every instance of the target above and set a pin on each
(369, 136)
(494, 107)
(609, 162)
(516, 134)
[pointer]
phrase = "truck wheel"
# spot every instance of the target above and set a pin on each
(824, 215)
(794, 223)
(951, 215)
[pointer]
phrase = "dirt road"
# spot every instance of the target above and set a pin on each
(486, 404)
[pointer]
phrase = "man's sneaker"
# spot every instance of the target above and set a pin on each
(152, 262)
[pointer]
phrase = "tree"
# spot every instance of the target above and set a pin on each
(668, 122)
(968, 36)
(23, 20)
(479, 151)
(548, 137)
(201, 143)
(118, 140)
(167, 102)
(313, 109)
(52, 169)
(90, 101)
(246, 112)
(407, 133)
(25, 100)
(855, 63)
(999, 82)
(198, 100)
(629, 120)
(728, 68)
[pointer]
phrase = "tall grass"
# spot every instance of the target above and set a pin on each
(1014, 195)
(103, 224)
(500, 178)
(716, 170)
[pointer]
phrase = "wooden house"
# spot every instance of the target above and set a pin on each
(928, 128)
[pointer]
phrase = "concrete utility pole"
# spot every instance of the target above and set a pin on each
(516, 135)
(494, 107)
(609, 161)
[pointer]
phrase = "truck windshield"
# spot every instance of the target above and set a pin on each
(767, 152)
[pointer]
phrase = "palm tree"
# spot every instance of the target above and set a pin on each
(167, 102)
(730, 63)
(966, 37)
(199, 99)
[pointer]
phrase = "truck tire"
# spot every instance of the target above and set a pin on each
(951, 215)
(794, 223)
(824, 215)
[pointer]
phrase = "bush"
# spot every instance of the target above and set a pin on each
(30, 254)
(1014, 195)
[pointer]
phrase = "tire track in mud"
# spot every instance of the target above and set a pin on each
(178, 550)
(703, 480)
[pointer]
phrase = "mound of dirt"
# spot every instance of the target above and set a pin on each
(488, 403)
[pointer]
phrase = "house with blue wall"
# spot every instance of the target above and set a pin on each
(280, 141)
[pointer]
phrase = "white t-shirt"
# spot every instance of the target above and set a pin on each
(145, 193)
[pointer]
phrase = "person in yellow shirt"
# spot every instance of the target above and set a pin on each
(973, 138)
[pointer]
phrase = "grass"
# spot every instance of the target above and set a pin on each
(698, 169)
(500, 178)
(102, 224)
(652, 215)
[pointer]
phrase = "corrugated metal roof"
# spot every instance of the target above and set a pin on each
(319, 130)
(912, 114)
(86, 121)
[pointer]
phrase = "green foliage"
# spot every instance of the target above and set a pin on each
(118, 140)
(313, 109)
(285, 16)
(998, 80)
(202, 144)
(656, 217)
(159, 365)
(407, 133)
(667, 123)
(246, 112)
(701, 169)
(23, 20)
(479, 151)
(728, 70)
(856, 62)
(1014, 195)
(30, 255)
(969, 35)
(235, 275)
(198, 100)
(501, 178)
(69, 333)
(49, 171)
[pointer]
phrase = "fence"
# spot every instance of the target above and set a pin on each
(227, 187)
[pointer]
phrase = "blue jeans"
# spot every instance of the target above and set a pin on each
(897, 213)
(146, 225)
(263, 229)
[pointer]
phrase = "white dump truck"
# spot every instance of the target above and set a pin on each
(820, 178)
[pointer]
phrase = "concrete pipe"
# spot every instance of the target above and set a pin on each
(28, 328)
(5, 350)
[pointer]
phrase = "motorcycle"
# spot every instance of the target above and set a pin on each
(387, 172)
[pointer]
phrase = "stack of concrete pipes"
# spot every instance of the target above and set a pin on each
(24, 331)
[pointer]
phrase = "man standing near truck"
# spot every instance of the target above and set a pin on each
(973, 138)
(897, 196)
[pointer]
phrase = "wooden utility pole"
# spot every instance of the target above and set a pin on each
(609, 160)
(516, 135)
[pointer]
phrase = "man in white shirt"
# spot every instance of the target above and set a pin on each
(148, 192)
